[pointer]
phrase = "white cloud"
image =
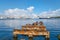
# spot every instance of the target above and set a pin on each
(16, 12)
(29, 13)
(30, 8)
(20, 12)
(50, 13)
(34, 15)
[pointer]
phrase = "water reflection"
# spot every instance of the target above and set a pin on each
(17, 23)
(49, 23)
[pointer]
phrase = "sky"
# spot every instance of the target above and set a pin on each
(30, 8)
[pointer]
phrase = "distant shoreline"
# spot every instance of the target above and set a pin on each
(27, 18)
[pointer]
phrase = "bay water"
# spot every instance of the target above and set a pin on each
(7, 26)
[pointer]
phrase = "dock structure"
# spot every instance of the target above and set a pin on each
(32, 30)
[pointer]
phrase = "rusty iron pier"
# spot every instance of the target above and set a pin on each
(31, 30)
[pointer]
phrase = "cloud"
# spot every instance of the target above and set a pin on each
(28, 13)
(17, 13)
(50, 13)
(30, 8)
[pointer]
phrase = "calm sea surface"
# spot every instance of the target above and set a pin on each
(7, 26)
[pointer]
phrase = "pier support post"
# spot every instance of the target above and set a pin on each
(30, 38)
(15, 37)
(47, 38)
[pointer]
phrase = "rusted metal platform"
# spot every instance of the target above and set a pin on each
(32, 30)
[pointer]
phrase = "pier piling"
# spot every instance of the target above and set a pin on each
(15, 37)
(30, 38)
